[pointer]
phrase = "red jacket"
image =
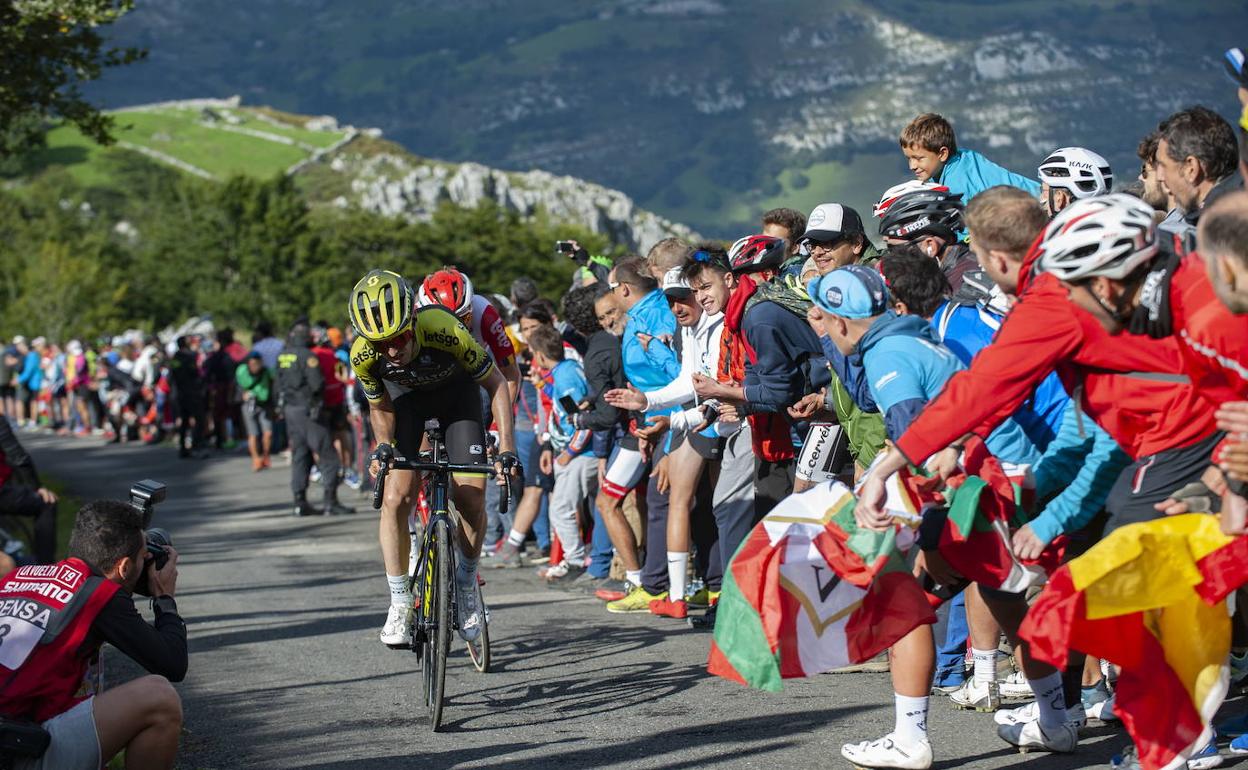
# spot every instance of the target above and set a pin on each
(1131, 386)
(769, 432)
(335, 392)
(47, 611)
(1214, 340)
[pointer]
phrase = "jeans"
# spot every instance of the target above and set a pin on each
(951, 654)
(600, 549)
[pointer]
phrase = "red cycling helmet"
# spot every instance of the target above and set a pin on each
(449, 288)
(755, 253)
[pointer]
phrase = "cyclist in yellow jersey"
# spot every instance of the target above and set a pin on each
(414, 365)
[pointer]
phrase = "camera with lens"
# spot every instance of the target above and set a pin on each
(144, 497)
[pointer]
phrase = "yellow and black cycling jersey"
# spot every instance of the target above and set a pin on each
(445, 353)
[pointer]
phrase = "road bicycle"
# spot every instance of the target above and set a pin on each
(431, 575)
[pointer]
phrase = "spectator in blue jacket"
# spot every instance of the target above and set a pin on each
(932, 151)
(30, 378)
(649, 364)
(569, 456)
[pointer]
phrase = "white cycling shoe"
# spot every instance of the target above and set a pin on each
(889, 752)
(1031, 713)
(1030, 736)
(397, 632)
(469, 610)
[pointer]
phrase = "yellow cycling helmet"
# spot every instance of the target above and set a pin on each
(381, 305)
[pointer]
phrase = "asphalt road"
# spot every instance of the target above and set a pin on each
(286, 670)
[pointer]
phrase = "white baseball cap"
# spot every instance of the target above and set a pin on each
(830, 221)
(675, 285)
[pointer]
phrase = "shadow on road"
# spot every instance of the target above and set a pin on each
(683, 749)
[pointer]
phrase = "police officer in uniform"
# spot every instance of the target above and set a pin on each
(301, 385)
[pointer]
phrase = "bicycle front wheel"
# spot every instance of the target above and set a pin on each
(438, 619)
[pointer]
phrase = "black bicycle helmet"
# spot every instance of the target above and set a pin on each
(923, 212)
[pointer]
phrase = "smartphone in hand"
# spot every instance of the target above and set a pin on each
(569, 404)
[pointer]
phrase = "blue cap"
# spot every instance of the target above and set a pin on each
(855, 291)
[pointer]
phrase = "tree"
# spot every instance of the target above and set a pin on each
(48, 50)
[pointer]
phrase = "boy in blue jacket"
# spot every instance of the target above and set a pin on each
(569, 456)
(932, 152)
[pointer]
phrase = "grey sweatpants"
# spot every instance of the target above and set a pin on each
(575, 483)
(733, 500)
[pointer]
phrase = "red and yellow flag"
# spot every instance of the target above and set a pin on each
(1150, 598)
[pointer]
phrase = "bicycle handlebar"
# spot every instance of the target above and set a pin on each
(390, 462)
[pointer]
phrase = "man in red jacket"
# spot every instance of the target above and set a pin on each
(1174, 296)
(1130, 387)
(54, 619)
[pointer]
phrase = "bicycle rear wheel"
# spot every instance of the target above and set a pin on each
(479, 649)
(438, 621)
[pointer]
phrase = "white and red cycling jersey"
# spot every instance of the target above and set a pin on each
(488, 329)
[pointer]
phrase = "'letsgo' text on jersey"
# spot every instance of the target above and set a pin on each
(441, 337)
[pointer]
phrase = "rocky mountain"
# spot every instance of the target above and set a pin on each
(706, 111)
(384, 178)
(343, 166)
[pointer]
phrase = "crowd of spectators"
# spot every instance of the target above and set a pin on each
(668, 402)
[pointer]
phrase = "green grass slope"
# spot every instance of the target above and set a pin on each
(211, 141)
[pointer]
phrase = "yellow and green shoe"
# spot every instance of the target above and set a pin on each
(636, 600)
(703, 599)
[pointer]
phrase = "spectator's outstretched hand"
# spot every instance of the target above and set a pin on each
(705, 387)
(869, 511)
(1234, 461)
(1233, 417)
(1026, 545)
(627, 398)
(655, 427)
(808, 405)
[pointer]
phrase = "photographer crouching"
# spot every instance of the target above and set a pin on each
(53, 620)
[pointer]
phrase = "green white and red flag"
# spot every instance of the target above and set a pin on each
(810, 591)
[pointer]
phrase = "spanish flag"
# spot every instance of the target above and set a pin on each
(1150, 598)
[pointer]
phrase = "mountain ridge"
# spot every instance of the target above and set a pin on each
(705, 111)
(346, 166)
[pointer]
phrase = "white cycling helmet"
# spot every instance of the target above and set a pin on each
(891, 195)
(1079, 171)
(1110, 235)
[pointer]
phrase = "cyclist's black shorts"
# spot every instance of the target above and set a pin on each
(457, 408)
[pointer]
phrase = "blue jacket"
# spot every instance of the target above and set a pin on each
(789, 359)
(31, 376)
(1079, 467)
(851, 374)
(970, 173)
(966, 330)
(906, 366)
(653, 366)
(568, 379)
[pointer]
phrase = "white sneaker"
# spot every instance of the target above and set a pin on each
(1104, 710)
(469, 612)
(889, 751)
(397, 632)
(1032, 737)
(1031, 713)
(981, 697)
(1015, 686)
